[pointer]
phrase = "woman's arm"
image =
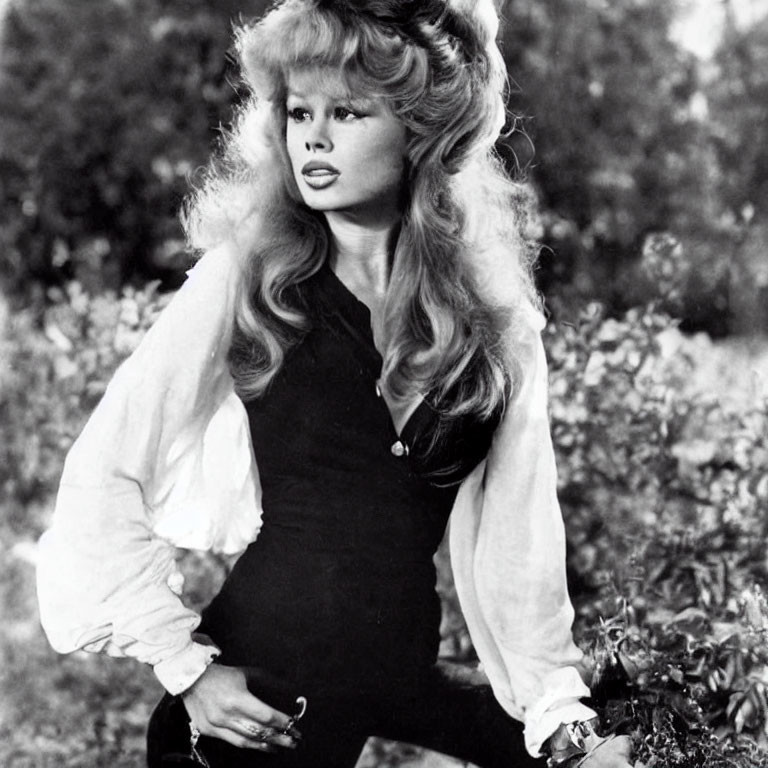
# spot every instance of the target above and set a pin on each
(508, 553)
(165, 453)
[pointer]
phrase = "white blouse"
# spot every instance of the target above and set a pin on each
(165, 461)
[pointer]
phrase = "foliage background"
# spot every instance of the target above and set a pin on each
(651, 172)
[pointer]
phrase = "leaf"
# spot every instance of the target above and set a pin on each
(693, 621)
(726, 630)
(677, 675)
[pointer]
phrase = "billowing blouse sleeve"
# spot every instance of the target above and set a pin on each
(507, 544)
(164, 461)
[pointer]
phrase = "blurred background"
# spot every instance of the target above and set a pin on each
(642, 129)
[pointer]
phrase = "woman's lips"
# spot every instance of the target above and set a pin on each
(319, 175)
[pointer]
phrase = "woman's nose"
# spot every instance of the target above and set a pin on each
(317, 139)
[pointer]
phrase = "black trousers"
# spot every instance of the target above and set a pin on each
(447, 710)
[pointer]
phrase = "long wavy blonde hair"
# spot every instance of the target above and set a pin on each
(461, 273)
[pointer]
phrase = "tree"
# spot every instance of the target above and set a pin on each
(606, 99)
(105, 110)
(738, 100)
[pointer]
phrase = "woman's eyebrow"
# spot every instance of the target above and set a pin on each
(333, 95)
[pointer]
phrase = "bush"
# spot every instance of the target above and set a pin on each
(56, 371)
(664, 494)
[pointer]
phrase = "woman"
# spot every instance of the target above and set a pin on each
(366, 294)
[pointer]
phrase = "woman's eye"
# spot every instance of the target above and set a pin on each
(298, 114)
(344, 113)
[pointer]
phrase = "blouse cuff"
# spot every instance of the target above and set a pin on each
(560, 704)
(537, 733)
(181, 670)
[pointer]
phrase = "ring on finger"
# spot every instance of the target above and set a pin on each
(301, 704)
(258, 732)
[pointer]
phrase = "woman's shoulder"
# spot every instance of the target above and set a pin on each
(532, 318)
(189, 339)
(526, 324)
(226, 257)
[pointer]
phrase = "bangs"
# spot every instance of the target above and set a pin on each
(298, 35)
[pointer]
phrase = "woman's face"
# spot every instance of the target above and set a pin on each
(347, 151)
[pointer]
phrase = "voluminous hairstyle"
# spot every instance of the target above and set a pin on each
(460, 284)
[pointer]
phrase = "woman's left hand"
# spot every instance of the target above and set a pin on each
(612, 753)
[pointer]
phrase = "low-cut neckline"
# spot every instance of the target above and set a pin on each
(402, 421)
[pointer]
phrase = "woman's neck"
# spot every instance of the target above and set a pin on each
(361, 254)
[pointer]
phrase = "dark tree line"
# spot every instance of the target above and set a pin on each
(107, 109)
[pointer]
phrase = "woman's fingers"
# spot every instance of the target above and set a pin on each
(264, 734)
(251, 736)
(624, 748)
(613, 753)
(220, 705)
(622, 745)
(237, 739)
(246, 733)
(251, 709)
